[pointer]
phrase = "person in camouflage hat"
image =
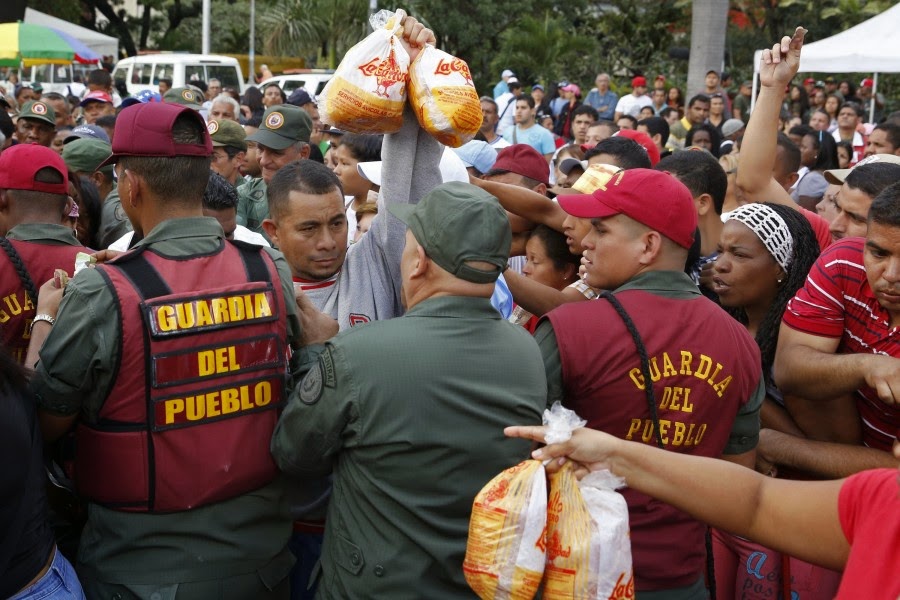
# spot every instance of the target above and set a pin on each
(229, 149)
(282, 138)
(36, 123)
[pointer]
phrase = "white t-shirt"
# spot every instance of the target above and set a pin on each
(507, 115)
(630, 104)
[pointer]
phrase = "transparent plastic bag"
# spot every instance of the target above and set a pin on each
(505, 549)
(444, 97)
(588, 542)
(368, 90)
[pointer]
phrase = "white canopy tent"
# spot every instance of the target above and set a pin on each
(873, 46)
(101, 44)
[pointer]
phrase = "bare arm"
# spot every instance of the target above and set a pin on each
(773, 416)
(827, 420)
(797, 517)
(757, 158)
(525, 203)
(825, 459)
(806, 365)
(537, 298)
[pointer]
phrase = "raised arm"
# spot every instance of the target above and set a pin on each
(537, 298)
(525, 203)
(796, 517)
(757, 158)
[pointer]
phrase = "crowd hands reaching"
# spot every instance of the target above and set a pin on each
(755, 276)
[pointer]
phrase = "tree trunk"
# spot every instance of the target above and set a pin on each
(709, 19)
(145, 27)
(117, 22)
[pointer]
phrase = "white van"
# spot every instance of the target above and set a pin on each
(144, 71)
(61, 78)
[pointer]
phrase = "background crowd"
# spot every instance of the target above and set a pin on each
(755, 266)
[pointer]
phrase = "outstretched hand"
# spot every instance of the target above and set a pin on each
(589, 449)
(781, 63)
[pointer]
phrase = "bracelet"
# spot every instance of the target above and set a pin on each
(42, 317)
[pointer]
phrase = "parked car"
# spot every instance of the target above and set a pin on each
(144, 71)
(312, 80)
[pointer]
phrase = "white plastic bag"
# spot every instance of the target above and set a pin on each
(588, 542)
(505, 549)
(368, 90)
(443, 97)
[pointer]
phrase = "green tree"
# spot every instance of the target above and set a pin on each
(320, 30)
(633, 37)
(542, 50)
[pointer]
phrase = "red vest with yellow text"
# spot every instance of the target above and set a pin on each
(200, 379)
(16, 307)
(704, 366)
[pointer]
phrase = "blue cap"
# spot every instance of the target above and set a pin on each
(299, 97)
(142, 97)
(478, 154)
(87, 131)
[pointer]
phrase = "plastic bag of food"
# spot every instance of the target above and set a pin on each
(443, 97)
(368, 90)
(505, 550)
(588, 545)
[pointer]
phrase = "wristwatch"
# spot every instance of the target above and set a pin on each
(42, 317)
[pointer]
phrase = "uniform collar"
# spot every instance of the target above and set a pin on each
(455, 307)
(43, 232)
(672, 283)
(189, 227)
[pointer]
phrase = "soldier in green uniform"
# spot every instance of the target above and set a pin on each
(408, 413)
(180, 508)
(282, 138)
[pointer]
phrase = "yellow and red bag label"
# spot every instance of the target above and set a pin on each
(368, 90)
(505, 550)
(444, 97)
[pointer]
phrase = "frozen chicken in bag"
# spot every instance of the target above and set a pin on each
(505, 550)
(443, 97)
(368, 90)
(588, 542)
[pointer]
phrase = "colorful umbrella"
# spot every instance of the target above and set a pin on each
(28, 45)
(83, 54)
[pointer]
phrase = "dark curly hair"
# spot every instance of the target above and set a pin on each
(804, 255)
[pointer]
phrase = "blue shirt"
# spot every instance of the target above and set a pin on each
(535, 136)
(500, 89)
(605, 104)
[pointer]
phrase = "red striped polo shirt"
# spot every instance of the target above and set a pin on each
(837, 302)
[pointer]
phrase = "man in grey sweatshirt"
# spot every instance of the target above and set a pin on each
(307, 223)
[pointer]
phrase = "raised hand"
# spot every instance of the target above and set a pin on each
(780, 64)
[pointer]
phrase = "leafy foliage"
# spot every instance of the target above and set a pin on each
(542, 50)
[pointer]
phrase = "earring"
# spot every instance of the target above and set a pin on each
(780, 280)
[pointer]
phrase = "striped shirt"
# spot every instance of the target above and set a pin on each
(837, 302)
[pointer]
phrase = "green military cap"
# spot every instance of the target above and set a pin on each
(39, 111)
(227, 133)
(458, 223)
(185, 96)
(282, 125)
(85, 155)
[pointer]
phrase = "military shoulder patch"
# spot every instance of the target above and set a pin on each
(311, 386)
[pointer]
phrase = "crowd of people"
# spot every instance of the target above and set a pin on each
(248, 355)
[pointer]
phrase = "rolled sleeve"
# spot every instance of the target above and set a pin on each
(744, 435)
(546, 340)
